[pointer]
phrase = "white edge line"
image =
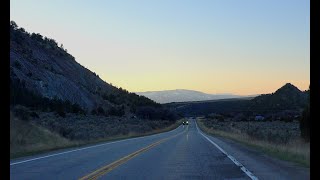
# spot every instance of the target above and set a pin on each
(33, 159)
(244, 169)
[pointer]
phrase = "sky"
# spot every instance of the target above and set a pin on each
(215, 46)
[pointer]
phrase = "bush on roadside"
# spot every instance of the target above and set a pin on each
(22, 113)
(34, 115)
(305, 124)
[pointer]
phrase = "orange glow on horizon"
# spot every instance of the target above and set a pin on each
(159, 83)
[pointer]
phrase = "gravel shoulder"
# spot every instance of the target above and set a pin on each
(260, 164)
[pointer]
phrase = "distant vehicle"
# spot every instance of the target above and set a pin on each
(185, 123)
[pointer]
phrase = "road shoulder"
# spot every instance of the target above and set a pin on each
(260, 164)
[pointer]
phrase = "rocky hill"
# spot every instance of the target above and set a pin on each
(288, 97)
(42, 73)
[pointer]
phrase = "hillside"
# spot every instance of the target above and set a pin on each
(25, 137)
(39, 65)
(286, 98)
(63, 103)
(50, 71)
(183, 95)
(201, 108)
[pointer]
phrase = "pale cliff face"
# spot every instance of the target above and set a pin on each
(52, 72)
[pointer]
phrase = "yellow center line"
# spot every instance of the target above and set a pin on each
(105, 169)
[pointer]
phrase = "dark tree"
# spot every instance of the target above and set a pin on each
(13, 25)
(100, 110)
(305, 124)
(305, 121)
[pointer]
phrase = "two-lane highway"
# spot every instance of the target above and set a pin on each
(188, 156)
(184, 153)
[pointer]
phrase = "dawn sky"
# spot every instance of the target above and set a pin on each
(215, 46)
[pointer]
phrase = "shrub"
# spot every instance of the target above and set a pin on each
(116, 111)
(305, 124)
(93, 112)
(20, 95)
(34, 115)
(75, 108)
(29, 74)
(17, 65)
(100, 110)
(153, 113)
(61, 112)
(22, 113)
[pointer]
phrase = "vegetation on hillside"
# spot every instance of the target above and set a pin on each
(120, 101)
(44, 102)
(288, 97)
(19, 36)
(20, 95)
(285, 99)
(36, 131)
(26, 138)
(205, 108)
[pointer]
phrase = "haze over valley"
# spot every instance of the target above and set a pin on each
(183, 95)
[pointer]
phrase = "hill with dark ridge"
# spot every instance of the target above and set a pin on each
(288, 97)
(45, 71)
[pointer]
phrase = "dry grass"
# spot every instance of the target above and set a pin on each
(296, 150)
(27, 138)
(133, 134)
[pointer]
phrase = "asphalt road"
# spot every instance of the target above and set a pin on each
(182, 153)
(186, 156)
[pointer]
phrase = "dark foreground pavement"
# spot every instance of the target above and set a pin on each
(184, 153)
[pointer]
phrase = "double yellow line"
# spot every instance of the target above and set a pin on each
(105, 169)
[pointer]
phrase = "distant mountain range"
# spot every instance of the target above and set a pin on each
(183, 95)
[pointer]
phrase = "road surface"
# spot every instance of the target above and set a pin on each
(183, 153)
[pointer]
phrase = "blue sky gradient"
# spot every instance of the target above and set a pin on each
(215, 46)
